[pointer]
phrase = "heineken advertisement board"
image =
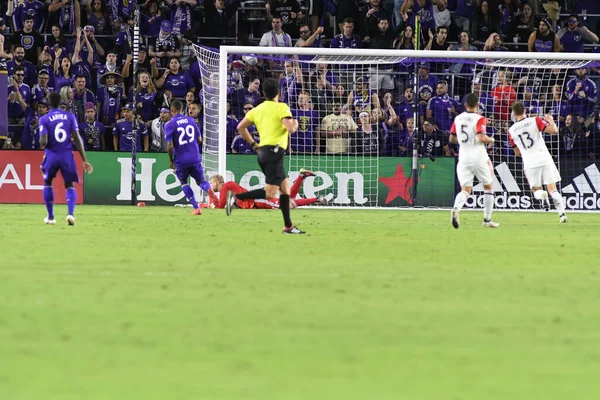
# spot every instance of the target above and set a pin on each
(351, 181)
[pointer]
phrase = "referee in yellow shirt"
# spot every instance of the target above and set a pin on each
(274, 123)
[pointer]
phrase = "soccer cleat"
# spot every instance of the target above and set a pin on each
(49, 221)
(70, 220)
(490, 224)
(454, 218)
(563, 218)
(228, 202)
(197, 211)
(322, 200)
(293, 231)
(306, 172)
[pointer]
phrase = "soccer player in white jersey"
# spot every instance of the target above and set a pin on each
(468, 130)
(527, 140)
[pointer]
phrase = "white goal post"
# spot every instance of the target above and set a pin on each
(534, 73)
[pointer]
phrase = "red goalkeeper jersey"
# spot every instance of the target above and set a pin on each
(236, 189)
(504, 97)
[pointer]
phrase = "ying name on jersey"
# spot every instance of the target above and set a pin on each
(57, 117)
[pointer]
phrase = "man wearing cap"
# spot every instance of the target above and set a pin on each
(110, 95)
(109, 66)
(41, 90)
(144, 64)
(544, 40)
(157, 131)
(124, 130)
(572, 36)
(97, 49)
(19, 95)
(30, 138)
(336, 128)
(166, 45)
(426, 87)
(92, 131)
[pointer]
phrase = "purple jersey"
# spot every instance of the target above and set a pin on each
(440, 107)
(178, 84)
(35, 8)
(58, 125)
(184, 133)
(426, 14)
(303, 141)
(342, 42)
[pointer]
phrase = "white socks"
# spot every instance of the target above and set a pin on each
(460, 200)
(488, 204)
(557, 200)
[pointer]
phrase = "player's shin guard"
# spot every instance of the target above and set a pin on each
(49, 200)
(460, 200)
(284, 206)
(205, 185)
(253, 194)
(189, 194)
(71, 200)
(558, 203)
(488, 204)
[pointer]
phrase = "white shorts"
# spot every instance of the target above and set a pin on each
(466, 172)
(543, 175)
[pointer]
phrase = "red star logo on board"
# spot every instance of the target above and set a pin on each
(399, 186)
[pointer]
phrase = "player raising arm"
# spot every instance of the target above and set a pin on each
(274, 123)
(183, 139)
(468, 130)
(527, 138)
(57, 128)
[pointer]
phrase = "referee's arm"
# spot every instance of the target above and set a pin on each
(243, 130)
(290, 124)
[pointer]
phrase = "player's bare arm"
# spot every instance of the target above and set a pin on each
(242, 129)
(483, 138)
(87, 167)
(146, 144)
(170, 152)
(290, 124)
(552, 129)
(453, 139)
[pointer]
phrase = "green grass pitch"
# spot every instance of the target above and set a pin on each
(152, 303)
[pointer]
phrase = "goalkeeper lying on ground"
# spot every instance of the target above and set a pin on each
(218, 184)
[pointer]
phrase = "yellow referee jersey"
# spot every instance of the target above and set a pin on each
(267, 117)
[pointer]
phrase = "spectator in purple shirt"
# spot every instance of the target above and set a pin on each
(145, 97)
(347, 39)
(582, 94)
(442, 108)
(19, 95)
(572, 36)
(175, 80)
(63, 75)
(303, 141)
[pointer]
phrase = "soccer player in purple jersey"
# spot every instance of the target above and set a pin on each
(183, 137)
(57, 128)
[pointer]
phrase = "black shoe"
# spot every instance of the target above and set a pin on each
(228, 202)
(293, 231)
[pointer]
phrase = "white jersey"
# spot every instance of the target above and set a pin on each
(528, 135)
(466, 127)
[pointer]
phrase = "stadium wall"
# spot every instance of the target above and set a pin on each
(21, 179)
(110, 182)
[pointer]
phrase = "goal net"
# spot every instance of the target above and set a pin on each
(374, 124)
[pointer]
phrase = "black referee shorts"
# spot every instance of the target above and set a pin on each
(270, 159)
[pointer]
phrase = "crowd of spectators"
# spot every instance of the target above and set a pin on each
(83, 50)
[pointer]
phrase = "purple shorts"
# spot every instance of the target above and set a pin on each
(63, 162)
(195, 171)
